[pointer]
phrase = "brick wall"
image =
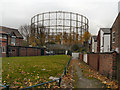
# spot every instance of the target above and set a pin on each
(118, 72)
(81, 57)
(19, 42)
(4, 43)
(93, 60)
(105, 63)
(29, 52)
(116, 29)
(13, 51)
(24, 51)
(98, 42)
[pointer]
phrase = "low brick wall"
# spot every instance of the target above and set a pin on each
(12, 51)
(25, 51)
(118, 69)
(93, 60)
(105, 63)
(81, 57)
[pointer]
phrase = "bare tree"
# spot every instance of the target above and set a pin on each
(41, 36)
(25, 31)
(37, 36)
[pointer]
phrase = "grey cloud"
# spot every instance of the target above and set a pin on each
(101, 13)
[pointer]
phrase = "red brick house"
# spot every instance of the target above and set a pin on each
(115, 41)
(3, 43)
(104, 40)
(11, 44)
(115, 35)
(9, 36)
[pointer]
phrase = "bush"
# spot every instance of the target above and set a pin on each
(75, 47)
(83, 50)
(50, 43)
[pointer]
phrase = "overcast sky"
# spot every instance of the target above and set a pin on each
(101, 13)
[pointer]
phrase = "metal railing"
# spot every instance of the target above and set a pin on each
(6, 87)
(60, 79)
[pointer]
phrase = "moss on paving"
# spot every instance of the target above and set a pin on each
(75, 77)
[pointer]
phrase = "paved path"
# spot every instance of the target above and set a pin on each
(83, 82)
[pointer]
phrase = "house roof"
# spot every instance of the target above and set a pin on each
(94, 37)
(105, 30)
(10, 31)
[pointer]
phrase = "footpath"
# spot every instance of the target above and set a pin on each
(80, 80)
(82, 76)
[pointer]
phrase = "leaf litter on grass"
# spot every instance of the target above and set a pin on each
(24, 73)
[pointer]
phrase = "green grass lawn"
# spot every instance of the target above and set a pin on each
(27, 71)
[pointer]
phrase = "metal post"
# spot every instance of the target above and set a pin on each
(7, 87)
(59, 82)
(26, 51)
(65, 71)
(7, 53)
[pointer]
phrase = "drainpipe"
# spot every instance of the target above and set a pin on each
(7, 53)
(110, 39)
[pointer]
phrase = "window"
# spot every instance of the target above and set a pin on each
(10, 50)
(4, 37)
(3, 49)
(13, 40)
(113, 37)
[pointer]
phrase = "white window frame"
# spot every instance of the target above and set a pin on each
(14, 43)
(113, 37)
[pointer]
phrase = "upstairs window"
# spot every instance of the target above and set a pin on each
(3, 36)
(113, 37)
(12, 40)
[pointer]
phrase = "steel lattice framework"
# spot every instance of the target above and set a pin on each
(60, 22)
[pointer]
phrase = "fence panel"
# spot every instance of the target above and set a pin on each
(85, 58)
(81, 57)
